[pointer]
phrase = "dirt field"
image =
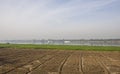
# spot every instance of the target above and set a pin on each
(24, 61)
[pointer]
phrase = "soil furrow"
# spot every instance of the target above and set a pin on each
(51, 57)
(62, 64)
(25, 61)
(81, 63)
(27, 66)
(112, 66)
(90, 65)
(51, 66)
(102, 65)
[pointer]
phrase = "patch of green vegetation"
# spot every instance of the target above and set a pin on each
(60, 47)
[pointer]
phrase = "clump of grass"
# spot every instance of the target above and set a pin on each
(61, 47)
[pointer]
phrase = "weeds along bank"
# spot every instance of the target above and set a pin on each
(60, 47)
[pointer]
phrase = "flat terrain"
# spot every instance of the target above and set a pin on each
(43, 61)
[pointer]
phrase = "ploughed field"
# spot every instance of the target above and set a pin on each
(43, 61)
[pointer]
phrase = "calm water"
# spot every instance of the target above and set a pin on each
(66, 42)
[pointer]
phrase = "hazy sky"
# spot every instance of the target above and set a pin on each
(59, 19)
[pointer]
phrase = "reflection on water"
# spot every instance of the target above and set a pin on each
(91, 42)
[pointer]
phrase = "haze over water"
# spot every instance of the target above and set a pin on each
(59, 19)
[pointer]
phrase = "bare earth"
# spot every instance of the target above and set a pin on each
(24, 61)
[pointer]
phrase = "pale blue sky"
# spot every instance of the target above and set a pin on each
(59, 19)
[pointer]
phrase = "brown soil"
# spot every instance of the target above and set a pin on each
(25, 61)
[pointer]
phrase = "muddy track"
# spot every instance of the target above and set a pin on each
(63, 63)
(58, 62)
(73, 64)
(81, 63)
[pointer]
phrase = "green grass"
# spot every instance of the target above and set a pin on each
(61, 47)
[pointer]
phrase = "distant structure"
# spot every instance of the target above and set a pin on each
(89, 42)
